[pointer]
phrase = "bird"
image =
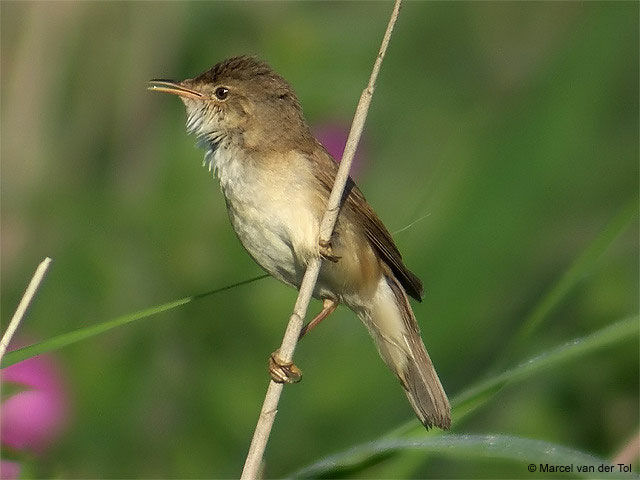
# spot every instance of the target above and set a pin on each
(276, 179)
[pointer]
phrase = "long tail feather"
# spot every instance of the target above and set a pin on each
(393, 326)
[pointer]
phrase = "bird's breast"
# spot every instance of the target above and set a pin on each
(271, 212)
(275, 208)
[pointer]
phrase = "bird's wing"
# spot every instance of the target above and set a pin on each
(375, 231)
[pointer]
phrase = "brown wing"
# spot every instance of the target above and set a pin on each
(376, 232)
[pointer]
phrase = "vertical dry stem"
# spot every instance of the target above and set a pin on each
(289, 341)
(23, 305)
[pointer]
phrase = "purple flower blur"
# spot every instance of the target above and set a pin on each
(35, 416)
(9, 470)
(333, 135)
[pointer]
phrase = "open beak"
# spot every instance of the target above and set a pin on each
(177, 88)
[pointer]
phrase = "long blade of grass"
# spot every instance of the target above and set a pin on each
(74, 336)
(529, 454)
(580, 267)
(479, 394)
(473, 397)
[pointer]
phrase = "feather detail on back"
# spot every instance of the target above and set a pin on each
(375, 231)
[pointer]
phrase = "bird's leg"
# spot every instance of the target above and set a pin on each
(287, 372)
(328, 306)
(326, 251)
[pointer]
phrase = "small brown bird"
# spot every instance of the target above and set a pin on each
(276, 179)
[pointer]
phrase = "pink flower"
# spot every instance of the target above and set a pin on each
(34, 417)
(334, 138)
(9, 470)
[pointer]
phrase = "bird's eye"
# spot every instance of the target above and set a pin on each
(221, 93)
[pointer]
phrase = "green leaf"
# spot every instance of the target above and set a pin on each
(580, 267)
(65, 339)
(525, 451)
(479, 394)
(476, 396)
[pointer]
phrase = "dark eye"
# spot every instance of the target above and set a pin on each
(221, 93)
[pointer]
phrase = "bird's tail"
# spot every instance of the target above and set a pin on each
(393, 326)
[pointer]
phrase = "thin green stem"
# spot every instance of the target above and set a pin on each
(75, 336)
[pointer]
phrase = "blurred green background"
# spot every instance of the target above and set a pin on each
(512, 126)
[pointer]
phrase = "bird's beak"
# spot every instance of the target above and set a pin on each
(177, 88)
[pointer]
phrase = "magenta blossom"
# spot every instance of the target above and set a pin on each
(334, 138)
(33, 418)
(9, 470)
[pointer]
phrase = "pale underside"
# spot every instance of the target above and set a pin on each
(276, 214)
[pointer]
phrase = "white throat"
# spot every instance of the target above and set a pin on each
(222, 160)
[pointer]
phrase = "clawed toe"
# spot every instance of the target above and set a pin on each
(283, 372)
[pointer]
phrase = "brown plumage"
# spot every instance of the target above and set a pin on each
(276, 179)
(373, 228)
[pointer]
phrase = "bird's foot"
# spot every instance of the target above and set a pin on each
(326, 251)
(283, 372)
